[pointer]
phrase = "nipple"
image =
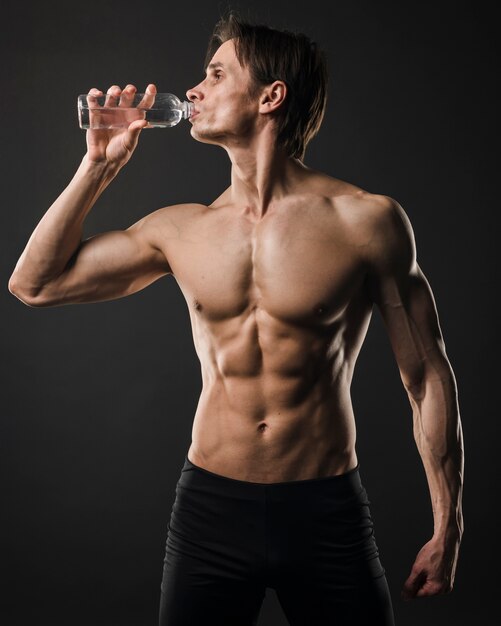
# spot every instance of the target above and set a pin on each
(197, 305)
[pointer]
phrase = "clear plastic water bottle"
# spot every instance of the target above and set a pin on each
(160, 110)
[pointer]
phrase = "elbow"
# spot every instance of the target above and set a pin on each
(31, 298)
(415, 388)
(428, 377)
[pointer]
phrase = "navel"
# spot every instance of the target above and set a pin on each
(321, 309)
(262, 427)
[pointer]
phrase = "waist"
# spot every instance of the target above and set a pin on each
(341, 486)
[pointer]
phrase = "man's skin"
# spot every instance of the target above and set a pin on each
(280, 274)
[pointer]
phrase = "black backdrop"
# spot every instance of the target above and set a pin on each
(97, 400)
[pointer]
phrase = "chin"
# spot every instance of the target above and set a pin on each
(207, 136)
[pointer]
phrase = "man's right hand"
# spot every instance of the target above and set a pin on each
(114, 147)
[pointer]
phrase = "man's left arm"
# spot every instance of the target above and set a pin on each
(401, 291)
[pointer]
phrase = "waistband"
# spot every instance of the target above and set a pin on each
(344, 484)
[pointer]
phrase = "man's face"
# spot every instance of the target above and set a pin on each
(225, 109)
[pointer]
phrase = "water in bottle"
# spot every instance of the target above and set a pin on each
(160, 110)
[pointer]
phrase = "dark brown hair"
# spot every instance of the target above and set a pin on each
(293, 58)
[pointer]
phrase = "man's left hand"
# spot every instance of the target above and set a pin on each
(433, 570)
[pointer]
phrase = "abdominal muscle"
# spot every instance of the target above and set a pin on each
(274, 406)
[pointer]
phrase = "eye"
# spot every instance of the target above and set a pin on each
(217, 75)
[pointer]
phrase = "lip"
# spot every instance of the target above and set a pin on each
(194, 114)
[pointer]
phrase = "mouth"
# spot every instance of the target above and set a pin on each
(194, 114)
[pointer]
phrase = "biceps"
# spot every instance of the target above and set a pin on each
(105, 267)
(410, 315)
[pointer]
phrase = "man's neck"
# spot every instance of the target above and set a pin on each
(261, 174)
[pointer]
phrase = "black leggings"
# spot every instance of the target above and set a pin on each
(310, 540)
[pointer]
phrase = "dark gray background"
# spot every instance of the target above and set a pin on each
(97, 400)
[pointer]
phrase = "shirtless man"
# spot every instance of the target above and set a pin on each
(280, 274)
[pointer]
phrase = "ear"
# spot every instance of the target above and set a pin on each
(272, 97)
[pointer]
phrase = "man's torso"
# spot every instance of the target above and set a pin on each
(279, 311)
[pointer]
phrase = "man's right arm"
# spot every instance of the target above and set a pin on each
(57, 267)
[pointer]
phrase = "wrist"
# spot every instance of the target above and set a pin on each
(452, 532)
(101, 171)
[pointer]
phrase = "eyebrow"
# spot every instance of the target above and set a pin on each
(214, 65)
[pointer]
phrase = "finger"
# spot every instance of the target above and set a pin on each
(412, 585)
(112, 96)
(133, 133)
(92, 97)
(127, 96)
(149, 97)
(432, 588)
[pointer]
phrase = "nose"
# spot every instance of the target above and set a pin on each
(194, 94)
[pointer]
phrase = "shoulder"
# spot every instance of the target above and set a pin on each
(393, 243)
(174, 212)
(376, 224)
(372, 213)
(377, 221)
(376, 211)
(383, 229)
(167, 221)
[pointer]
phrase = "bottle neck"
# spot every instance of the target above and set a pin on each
(187, 108)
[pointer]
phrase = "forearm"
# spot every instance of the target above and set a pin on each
(439, 438)
(58, 234)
